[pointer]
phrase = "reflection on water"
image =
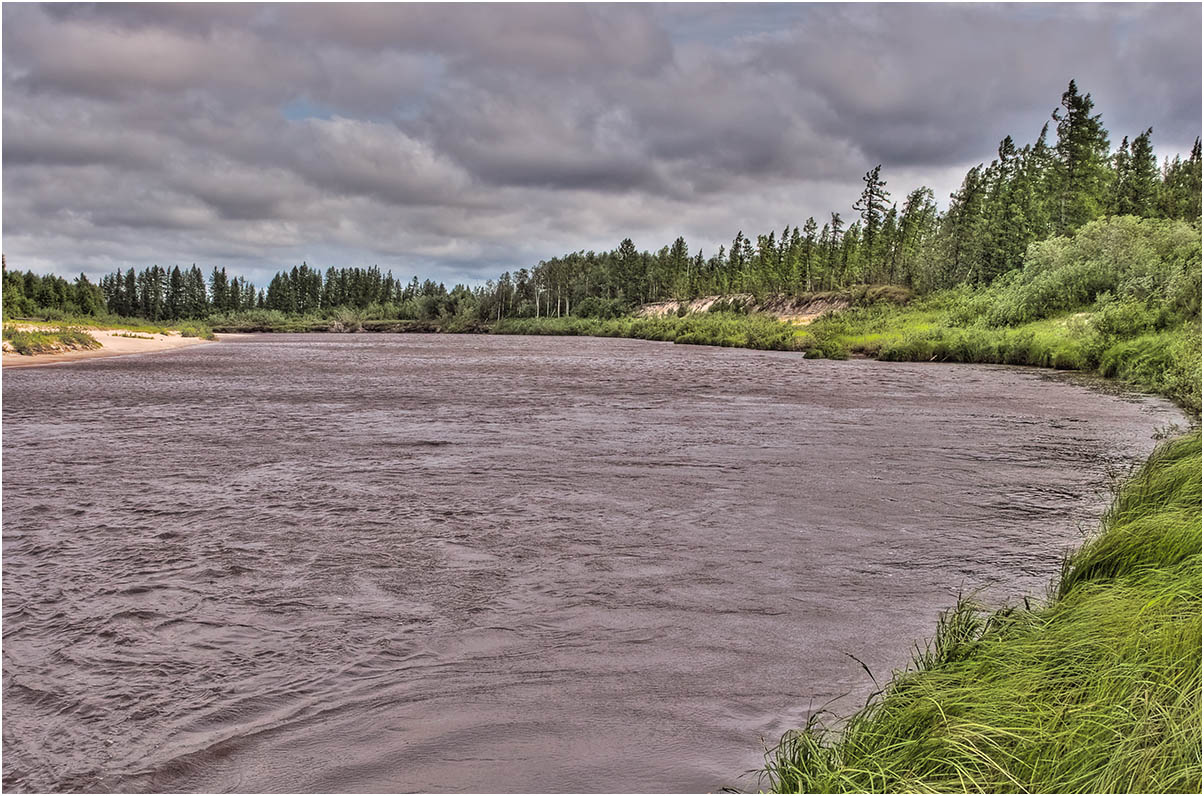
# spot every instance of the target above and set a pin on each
(390, 563)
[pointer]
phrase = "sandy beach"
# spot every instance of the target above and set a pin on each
(114, 343)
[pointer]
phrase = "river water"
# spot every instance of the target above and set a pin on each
(444, 563)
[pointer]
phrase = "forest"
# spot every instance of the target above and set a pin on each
(1066, 178)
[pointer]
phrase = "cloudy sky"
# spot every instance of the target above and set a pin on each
(460, 141)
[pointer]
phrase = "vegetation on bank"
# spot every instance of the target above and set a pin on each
(1097, 691)
(196, 329)
(45, 341)
(1121, 297)
(104, 320)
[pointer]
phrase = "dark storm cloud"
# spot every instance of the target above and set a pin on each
(463, 140)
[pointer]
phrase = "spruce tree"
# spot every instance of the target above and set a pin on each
(872, 206)
(175, 294)
(1142, 193)
(1083, 172)
(808, 256)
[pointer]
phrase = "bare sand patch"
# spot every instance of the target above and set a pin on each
(797, 311)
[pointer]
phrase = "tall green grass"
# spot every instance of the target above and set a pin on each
(1135, 342)
(1096, 691)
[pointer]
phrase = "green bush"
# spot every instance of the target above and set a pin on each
(197, 329)
(1130, 258)
(1121, 318)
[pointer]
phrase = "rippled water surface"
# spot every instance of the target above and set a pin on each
(391, 563)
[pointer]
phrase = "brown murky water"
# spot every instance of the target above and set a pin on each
(438, 563)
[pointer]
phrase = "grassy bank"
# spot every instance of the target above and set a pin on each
(1096, 691)
(45, 341)
(1116, 340)
(1163, 360)
(720, 328)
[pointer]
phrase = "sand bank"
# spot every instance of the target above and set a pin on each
(114, 343)
(797, 311)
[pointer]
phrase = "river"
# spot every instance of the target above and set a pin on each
(474, 563)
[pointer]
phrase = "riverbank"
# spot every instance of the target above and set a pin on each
(1164, 360)
(1097, 691)
(50, 345)
(1125, 341)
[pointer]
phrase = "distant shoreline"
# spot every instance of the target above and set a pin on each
(113, 343)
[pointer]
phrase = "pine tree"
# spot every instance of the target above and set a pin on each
(130, 294)
(628, 264)
(963, 231)
(217, 289)
(1122, 168)
(197, 305)
(808, 256)
(832, 260)
(175, 294)
(1083, 172)
(872, 205)
(678, 268)
(1179, 191)
(915, 225)
(1142, 193)
(891, 243)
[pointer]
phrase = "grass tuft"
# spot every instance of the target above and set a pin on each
(41, 341)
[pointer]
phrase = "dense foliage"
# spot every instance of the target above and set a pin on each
(1121, 296)
(27, 294)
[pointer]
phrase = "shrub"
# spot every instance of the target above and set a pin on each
(605, 309)
(197, 329)
(1130, 258)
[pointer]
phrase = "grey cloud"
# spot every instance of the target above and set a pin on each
(509, 136)
(921, 84)
(462, 140)
(111, 62)
(31, 141)
(542, 38)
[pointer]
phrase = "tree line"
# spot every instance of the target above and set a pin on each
(1025, 194)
